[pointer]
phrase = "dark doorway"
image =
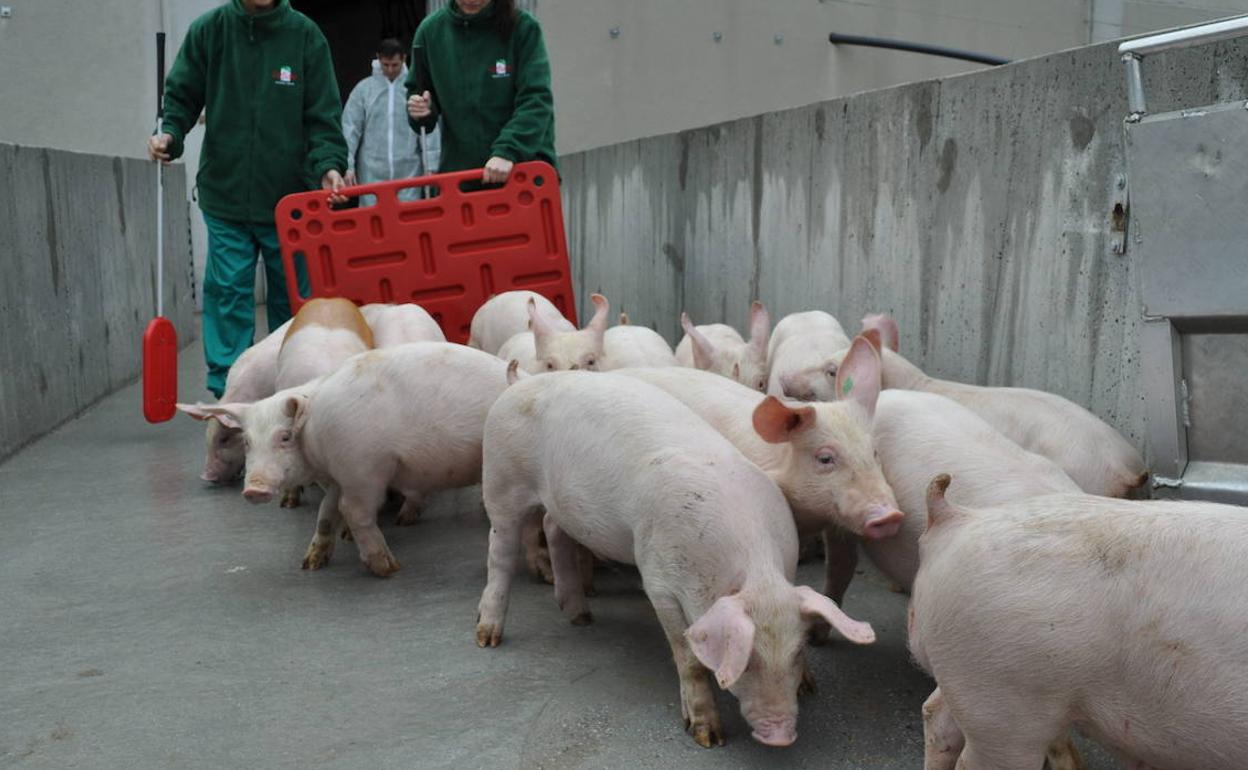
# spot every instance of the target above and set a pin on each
(354, 27)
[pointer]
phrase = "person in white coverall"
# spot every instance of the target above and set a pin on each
(380, 143)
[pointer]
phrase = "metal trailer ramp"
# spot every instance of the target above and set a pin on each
(1188, 178)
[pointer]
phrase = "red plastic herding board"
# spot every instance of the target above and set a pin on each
(448, 254)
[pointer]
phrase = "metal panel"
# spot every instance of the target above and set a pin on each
(1189, 181)
(1161, 372)
(1214, 367)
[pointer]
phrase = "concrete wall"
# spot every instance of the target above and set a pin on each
(78, 257)
(977, 210)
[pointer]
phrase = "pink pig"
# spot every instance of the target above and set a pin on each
(719, 348)
(1092, 453)
(1127, 619)
(506, 315)
(821, 455)
(801, 356)
(628, 471)
(409, 418)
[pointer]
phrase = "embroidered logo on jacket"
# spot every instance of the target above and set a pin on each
(285, 76)
(500, 69)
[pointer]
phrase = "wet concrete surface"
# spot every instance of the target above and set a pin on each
(152, 621)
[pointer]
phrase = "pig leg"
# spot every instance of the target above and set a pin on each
(410, 512)
(840, 554)
(942, 738)
(1006, 731)
(507, 511)
(328, 519)
(585, 560)
(569, 593)
(359, 507)
(536, 553)
(697, 700)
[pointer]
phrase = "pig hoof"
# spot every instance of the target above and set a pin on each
(489, 634)
(408, 516)
(346, 535)
(316, 557)
(706, 734)
(583, 619)
(290, 499)
(383, 565)
(896, 588)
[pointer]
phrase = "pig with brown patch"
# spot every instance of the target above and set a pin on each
(1126, 619)
(626, 470)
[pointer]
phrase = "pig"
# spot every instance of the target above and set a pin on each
(507, 314)
(627, 345)
(521, 348)
(918, 435)
(1125, 618)
(400, 324)
(409, 417)
(559, 348)
(719, 348)
(629, 472)
(801, 356)
(252, 376)
(821, 455)
(323, 334)
(1092, 453)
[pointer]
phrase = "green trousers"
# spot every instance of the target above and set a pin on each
(229, 291)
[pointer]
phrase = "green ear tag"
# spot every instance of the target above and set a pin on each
(849, 385)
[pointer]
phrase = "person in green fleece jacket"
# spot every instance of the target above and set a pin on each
(273, 127)
(481, 65)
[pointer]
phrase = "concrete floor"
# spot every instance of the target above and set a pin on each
(150, 621)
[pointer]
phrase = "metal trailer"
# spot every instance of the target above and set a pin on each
(1187, 177)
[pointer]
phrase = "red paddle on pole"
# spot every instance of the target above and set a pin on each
(160, 340)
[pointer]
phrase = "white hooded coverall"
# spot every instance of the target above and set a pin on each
(380, 143)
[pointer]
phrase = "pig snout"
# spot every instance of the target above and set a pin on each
(257, 493)
(776, 731)
(882, 522)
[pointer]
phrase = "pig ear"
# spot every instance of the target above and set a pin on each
(703, 349)
(296, 410)
(598, 324)
(514, 372)
(939, 509)
(858, 377)
(722, 639)
(778, 423)
(873, 336)
(815, 605)
(887, 328)
(760, 329)
(229, 415)
(542, 331)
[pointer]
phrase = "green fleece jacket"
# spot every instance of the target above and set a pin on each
(493, 95)
(274, 118)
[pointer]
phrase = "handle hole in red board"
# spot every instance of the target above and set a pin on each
(539, 180)
(301, 269)
(296, 214)
(430, 191)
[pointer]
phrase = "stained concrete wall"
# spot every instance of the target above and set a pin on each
(78, 260)
(977, 210)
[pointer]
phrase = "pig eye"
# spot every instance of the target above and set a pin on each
(826, 458)
(550, 367)
(590, 362)
(761, 385)
(285, 437)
